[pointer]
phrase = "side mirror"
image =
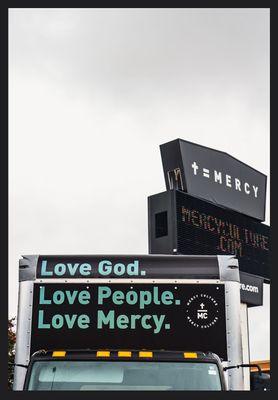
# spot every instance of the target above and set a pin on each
(260, 381)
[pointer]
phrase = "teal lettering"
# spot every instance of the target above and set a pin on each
(143, 322)
(167, 297)
(83, 321)
(71, 296)
(44, 272)
(155, 295)
(57, 321)
(70, 320)
(133, 268)
(118, 297)
(105, 267)
(145, 298)
(85, 269)
(72, 268)
(60, 269)
(119, 269)
(133, 319)
(131, 297)
(122, 321)
(103, 319)
(42, 298)
(158, 322)
(103, 293)
(84, 297)
(41, 324)
(58, 297)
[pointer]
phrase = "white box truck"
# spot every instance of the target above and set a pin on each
(130, 322)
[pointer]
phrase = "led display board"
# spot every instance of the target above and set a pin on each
(129, 316)
(194, 226)
(214, 176)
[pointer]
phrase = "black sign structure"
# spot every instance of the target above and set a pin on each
(134, 316)
(193, 226)
(214, 176)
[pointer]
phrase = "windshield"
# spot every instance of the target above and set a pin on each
(116, 375)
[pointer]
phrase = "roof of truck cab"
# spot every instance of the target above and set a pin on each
(125, 355)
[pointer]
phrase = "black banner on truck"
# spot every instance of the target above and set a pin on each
(129, 316)
(126, 266)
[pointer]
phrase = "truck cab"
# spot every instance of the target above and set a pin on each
(124, 370)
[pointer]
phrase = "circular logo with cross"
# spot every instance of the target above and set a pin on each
(202, 311)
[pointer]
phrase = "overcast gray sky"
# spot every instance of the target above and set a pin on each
(92, 94)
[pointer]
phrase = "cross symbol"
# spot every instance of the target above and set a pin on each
(195, 167)
(202, 305)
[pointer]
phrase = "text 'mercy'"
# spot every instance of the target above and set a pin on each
(225, 179)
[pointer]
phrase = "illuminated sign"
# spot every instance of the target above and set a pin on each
(195, 226)
(131, 315)
(215, 176)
